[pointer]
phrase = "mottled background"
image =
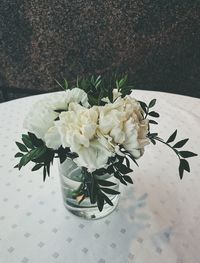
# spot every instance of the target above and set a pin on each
(156, 42)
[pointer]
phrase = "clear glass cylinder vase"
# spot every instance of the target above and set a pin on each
(71, 183)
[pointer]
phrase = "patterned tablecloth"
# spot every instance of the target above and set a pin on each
(157, 219)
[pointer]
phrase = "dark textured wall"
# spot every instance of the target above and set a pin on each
(156, 42)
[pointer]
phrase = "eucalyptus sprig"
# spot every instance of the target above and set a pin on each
(182, 155)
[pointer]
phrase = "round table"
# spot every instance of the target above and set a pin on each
(157, 219)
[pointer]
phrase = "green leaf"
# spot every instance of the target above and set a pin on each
(35, 141)
(100, 171)
(187, 154)
(60, 110)
(117, 84)
(120, 158)
(109, 191)
(37, 153)
(180, 143)
(48, 169)
(143, 106)
(108, 201)
(185, 165)
(123, 81)
(66, 85)
(110, 94)
(153, 141)
(21, 147)
(181, 171)
(18, 155)
(123, 168)
(122, 180)
(172, 137)
(26, 141)
(37, 167)
(24, 160)
(110, 169)
(44, 173)
(105, 183)
(152, 135)
(153, 122)
(152, 103)
(62, 158)
(93, 188)
(128, 179)
(117, 175)
(100, 201)
(153, 114)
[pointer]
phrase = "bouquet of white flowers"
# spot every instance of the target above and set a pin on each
(99, 126)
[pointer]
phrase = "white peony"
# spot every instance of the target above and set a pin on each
(41, 117)
(123, 121)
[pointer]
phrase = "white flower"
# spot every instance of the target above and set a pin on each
(135, 136)
(94, 156)
(52, 138)
(41, 117)
(78, 130)
(77, 95)
(77, 126)
(42, 114)
(123, 121)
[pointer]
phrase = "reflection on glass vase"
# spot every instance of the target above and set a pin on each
(72, 183)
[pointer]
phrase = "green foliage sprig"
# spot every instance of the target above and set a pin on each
(148, 112)
(98, 88)
(100, 190)
(34, 150)
(182, 155)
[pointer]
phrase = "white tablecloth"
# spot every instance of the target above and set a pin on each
(157, 219)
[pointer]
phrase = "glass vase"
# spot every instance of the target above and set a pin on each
(71, 183)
